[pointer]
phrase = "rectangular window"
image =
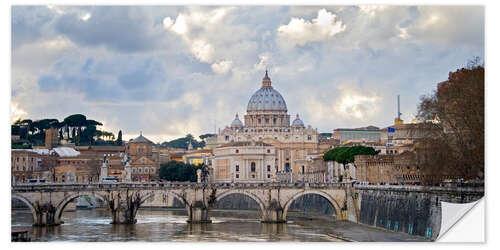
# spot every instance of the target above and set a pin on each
(268, 176)
(268, 168)
(237, 176)
(227, 137)
(253, 176)
(237, 168)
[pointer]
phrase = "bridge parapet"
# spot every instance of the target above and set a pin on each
(420, 189)
(162, 185)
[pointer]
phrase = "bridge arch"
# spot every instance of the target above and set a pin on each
(249, 194)
(62, 204)
(29, 204)
(328, 197)
(168, 192)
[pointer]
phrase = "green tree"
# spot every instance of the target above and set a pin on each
(119, 140)
(178, 171)
(203, 136)
(345, 155)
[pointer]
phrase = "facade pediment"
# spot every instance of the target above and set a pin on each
(142, 161)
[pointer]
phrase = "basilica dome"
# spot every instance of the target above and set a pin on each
(297, 122)
(236, 122)
(266, 98)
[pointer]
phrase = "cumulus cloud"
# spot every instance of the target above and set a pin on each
(179, 70)
(191, 27)
(371, 10)
(202, 50)
(222, 66)
(299, 31)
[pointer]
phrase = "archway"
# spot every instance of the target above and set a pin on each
(28, 204)
(238, 194)
(62, 205)
(178, 202)
(327, 197)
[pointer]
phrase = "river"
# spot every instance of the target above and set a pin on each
(170, 225)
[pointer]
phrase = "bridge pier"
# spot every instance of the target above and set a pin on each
(124, 209)
(45, 215)
(198, 213)
(273, 213)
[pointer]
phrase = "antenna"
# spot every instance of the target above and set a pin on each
(399, 113)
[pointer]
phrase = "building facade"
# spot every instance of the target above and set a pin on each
(383, 169)
(367, 134)
(249, 161)
(144, 162)
(24, 164)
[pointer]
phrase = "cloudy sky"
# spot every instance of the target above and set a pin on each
(169, 71)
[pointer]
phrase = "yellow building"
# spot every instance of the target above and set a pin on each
(197, 157)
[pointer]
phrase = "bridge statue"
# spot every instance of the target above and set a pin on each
(47, 201)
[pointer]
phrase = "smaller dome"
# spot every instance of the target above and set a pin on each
(236, 122)
(297, 122)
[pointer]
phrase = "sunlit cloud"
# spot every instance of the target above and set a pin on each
(299, 31)
(16, 112)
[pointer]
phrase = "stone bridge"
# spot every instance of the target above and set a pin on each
(47, 201)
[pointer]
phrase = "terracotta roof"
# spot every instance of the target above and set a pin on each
(141, 138)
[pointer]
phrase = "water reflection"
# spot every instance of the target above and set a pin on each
(167, 225)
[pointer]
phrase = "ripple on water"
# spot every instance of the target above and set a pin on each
(161, 225)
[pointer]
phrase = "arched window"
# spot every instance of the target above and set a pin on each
(133, 170)
(152, 170)
(268, 168)
(140, 170)
(146, 170)
(252, 167)
(237, 168)
(303, 169)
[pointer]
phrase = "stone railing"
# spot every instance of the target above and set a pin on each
(163, 185)
(284, 177)
(407, 188)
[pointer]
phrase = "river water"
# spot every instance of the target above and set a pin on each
(170, 226)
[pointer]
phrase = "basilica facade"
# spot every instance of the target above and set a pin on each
(267, 121)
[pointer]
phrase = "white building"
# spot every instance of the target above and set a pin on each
(267, 120)
(244, 162)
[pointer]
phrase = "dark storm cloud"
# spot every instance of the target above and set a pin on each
(28, 24)
(121, 28)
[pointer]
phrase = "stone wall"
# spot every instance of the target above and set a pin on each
(409, 209)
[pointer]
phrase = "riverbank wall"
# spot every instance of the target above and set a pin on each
(414, 210)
